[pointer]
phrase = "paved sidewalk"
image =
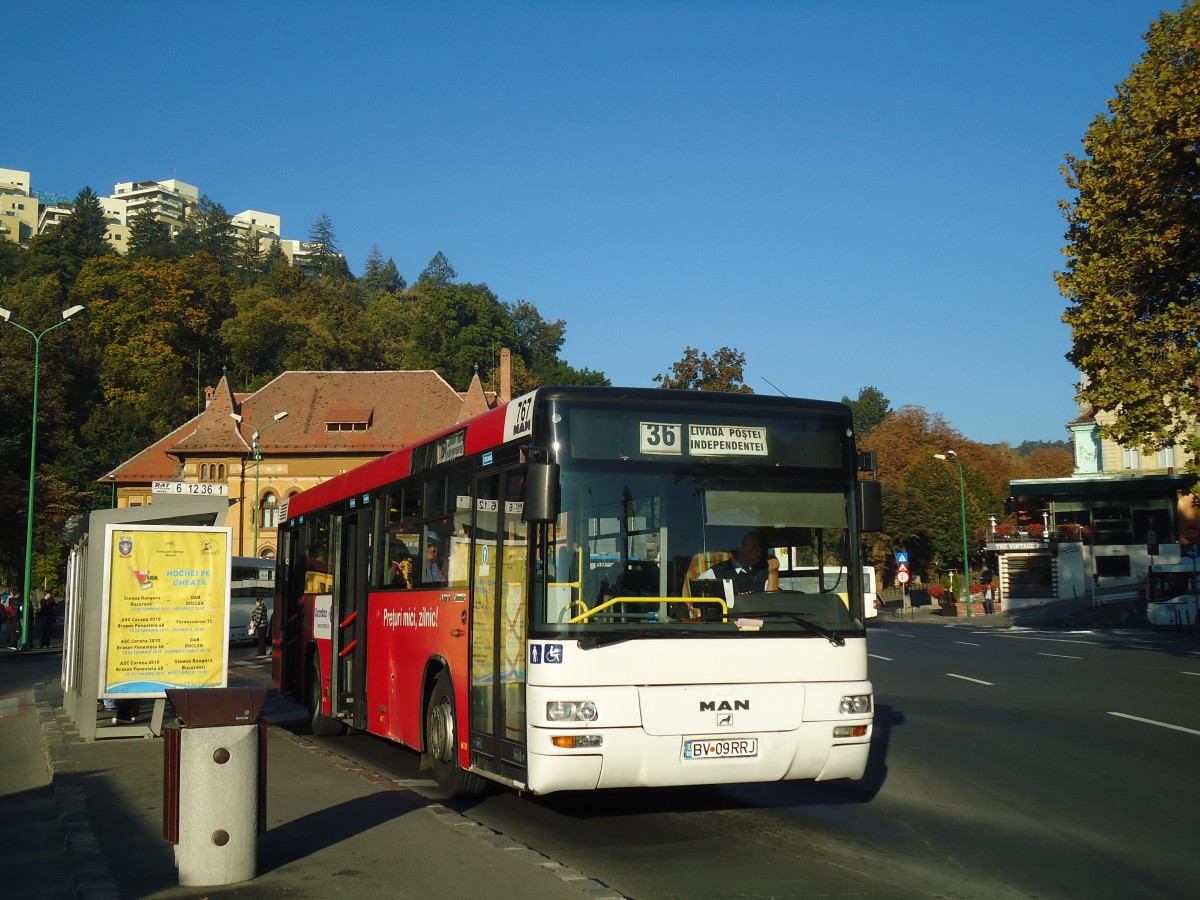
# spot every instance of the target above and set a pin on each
(333, 829)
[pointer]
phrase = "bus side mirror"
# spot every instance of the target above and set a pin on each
(541, 492)
(870, 506)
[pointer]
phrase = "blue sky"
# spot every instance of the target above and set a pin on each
(850, 194)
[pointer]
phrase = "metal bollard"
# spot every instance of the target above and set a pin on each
(214, 784)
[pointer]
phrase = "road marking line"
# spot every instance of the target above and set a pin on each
(1191, 673)
(968, 644)
(1152, 722)
(877, 656)
(1060, 655)
(1025, 637)
(965, 678)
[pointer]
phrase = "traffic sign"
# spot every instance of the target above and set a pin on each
(902, 576)
(1191, 551)
(902, 557)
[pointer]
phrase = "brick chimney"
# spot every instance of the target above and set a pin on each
(505, 375)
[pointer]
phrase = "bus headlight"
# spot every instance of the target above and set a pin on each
(857, 704)
(574, 741)
(571, 711)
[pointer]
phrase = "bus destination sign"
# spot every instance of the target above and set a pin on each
(703, 440)
(189, 489)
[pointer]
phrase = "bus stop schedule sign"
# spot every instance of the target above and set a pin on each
(166, 609)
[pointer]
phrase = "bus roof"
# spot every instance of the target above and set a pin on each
(494, 428)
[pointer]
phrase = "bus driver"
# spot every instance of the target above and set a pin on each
(746, 568)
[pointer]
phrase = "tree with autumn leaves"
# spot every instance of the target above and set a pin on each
(921, 503)
(1133, 246)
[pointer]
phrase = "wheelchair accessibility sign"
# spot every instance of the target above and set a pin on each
(545, 653)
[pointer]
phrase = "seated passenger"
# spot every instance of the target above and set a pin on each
(433, 573)
(747, 569)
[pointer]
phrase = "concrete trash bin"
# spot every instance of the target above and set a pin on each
(214, 783)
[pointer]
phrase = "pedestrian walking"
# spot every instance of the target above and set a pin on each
(14, 620)
(47, 613)
(258, 624)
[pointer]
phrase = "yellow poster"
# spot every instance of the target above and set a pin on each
(166, 604)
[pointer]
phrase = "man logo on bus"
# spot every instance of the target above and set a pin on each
(723, 705)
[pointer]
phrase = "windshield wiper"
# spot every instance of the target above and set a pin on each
(832, 636)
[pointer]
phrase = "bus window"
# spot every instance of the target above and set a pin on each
(400, 542)
(318, 574)
(435, 562)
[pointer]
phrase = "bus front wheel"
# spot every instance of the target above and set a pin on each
(319, 723)
(441, 743)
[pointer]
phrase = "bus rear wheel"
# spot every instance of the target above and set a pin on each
(441, 743)
(319, 723)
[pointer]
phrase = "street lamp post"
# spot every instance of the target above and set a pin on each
(962, 494)
(26, 603)
(256, 440)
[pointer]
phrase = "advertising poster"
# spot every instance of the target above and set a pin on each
(166, 609)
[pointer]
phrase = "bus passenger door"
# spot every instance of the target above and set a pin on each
(498, 630)
(348, 685)
(288, 617)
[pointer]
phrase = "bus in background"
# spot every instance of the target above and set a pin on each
(522, 597)
(249, 579)
(833, 579)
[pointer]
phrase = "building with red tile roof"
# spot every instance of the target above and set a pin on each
(309, 427)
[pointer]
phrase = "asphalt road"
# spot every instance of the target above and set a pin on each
(1007, 763)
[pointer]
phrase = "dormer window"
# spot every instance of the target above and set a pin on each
(349, 418)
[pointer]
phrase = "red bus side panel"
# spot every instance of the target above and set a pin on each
(406, 632)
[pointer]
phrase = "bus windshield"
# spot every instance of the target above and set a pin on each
(729, 544)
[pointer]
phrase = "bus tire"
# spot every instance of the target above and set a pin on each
(319, 723)
(441, 743)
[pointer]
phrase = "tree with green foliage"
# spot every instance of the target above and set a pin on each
(149, 237)
(723, 371)
(274, 257)
(62, 250)
(380, 277)
(439, 272)
(869, 409)
(209, 229)
(150, 321)
(324, 258)
(1133, 251)
(10, 261)
(536, 344)
(248, 256)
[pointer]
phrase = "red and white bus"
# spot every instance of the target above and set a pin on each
(521, 597)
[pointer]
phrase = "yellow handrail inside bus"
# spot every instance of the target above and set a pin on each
(578, 585)
(689, 601)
